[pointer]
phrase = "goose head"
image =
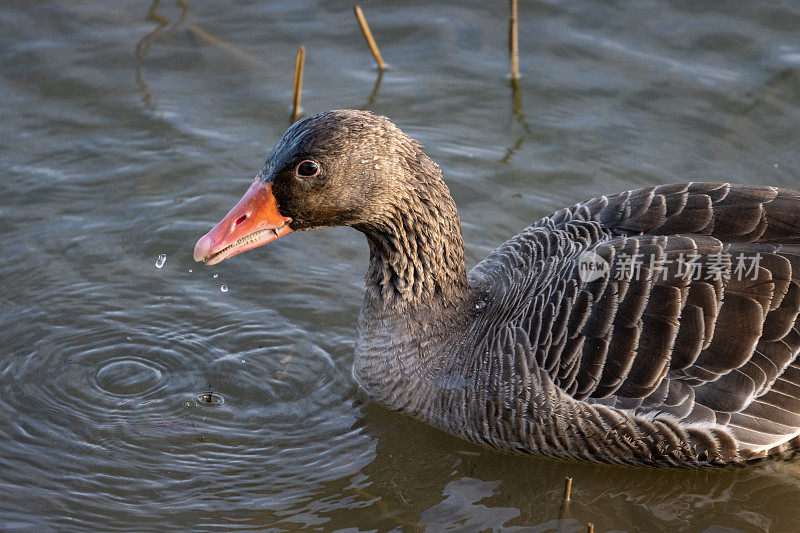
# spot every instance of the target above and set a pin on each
(339, 168)
(353, 168)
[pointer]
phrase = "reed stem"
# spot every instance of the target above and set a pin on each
(563, 511)
(513, 41)
(368, 35)
(567, 488)
(298, 82)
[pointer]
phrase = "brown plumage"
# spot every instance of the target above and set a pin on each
(691, 359)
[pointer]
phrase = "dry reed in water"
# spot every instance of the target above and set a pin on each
(513, 42)
(368, 35)
(298, 82)
(564, 509)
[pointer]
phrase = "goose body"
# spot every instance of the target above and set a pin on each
(680, 349)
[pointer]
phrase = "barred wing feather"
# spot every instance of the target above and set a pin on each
(691, 332)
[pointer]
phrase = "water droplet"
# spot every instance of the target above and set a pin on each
(215, 276)
(162, 258)
(224, 288)
(480, 305)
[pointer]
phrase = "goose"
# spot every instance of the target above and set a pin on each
(656, 326)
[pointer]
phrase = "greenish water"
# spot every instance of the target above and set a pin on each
(131, 127)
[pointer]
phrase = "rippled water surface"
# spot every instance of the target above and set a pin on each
(139, 398)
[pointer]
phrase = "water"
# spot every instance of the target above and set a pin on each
(137, 398)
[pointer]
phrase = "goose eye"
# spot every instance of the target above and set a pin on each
(307, 169)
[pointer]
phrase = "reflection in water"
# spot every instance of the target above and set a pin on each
(184, 5)
(143, 47)
(241, 55)
(374, 94)
(162, 22)
(425, 478)
(516, 116)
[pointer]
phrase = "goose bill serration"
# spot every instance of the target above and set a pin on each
(523, 353)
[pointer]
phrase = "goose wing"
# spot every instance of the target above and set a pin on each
(694, 320)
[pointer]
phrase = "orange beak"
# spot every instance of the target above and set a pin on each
(254, 221)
